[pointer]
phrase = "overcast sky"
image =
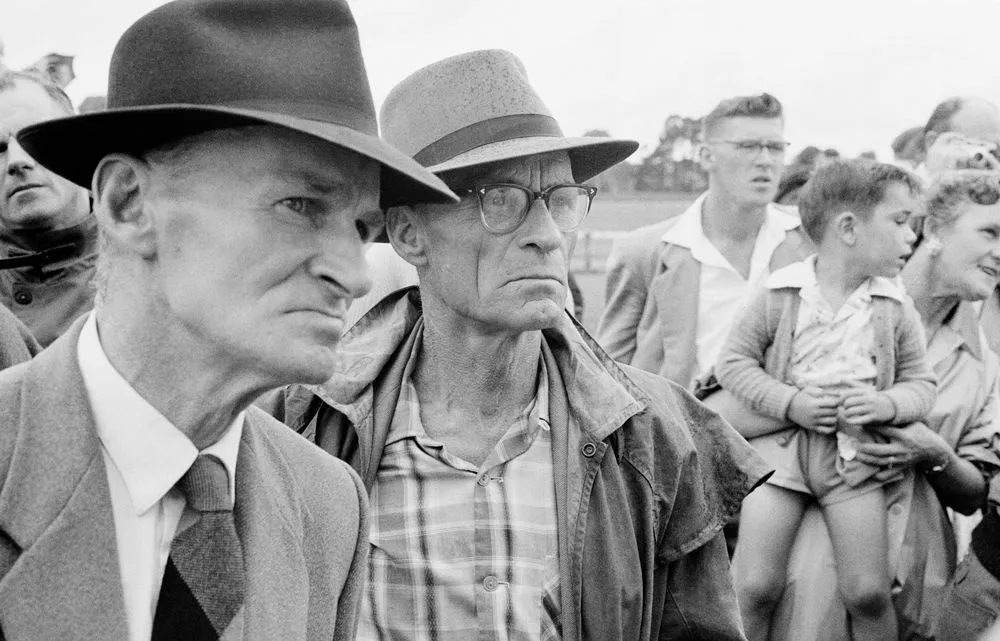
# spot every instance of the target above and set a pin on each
(851, 74)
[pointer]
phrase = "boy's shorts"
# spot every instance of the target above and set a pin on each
(809, 463)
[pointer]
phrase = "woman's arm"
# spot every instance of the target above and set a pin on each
(960, 485)
(744, 420)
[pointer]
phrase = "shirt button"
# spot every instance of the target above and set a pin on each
(483, 480)
(22, 297)
(589, 449)
(896, 509)
(490, 583)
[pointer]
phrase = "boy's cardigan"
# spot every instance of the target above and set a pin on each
(753, 364)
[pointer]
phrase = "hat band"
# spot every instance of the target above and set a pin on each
(484, 132)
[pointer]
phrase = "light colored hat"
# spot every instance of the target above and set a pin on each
(477, 108)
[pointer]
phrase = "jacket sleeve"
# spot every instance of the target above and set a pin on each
(914, 391)
(700, 602)
(740, 368)
(625, 291)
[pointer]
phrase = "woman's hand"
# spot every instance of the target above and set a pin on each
(912, 445)
(959, 484)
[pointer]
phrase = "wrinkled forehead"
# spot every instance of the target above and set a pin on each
(538, 171)
(268, 153)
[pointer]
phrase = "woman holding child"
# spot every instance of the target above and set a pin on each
(944, 459)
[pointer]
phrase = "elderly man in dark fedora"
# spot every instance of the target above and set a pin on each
(237, 177)
(522, 484)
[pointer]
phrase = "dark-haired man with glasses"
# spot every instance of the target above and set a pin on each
(674, 288)
(522, 484)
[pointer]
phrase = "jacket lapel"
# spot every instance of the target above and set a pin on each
(676, 291)
(56, 506)
(269, 522)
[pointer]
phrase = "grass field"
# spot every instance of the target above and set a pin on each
(615, 215)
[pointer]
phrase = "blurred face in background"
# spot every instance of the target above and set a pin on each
(744, 158)
(31, 197)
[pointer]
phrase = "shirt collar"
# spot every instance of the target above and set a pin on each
(803, 274)
(406, 419)
(688, 232)
(149, 451)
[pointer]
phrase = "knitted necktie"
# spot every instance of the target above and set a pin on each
(202, 589)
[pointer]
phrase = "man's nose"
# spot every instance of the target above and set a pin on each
(341, 262)
(17, 159)
(539, 228)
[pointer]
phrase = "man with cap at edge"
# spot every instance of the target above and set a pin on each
(522, 484)
(237, 177)
(48, 235)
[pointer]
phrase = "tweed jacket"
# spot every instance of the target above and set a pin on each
(754, 361)
(646, 475)
(301, 516)
(650, 317)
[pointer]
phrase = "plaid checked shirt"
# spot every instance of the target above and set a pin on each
(460, 553)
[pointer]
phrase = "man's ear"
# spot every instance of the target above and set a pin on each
(121, 188)
(406, 234)
(845, 225)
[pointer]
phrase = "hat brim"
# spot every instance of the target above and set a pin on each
(72, 147)
(589, 156)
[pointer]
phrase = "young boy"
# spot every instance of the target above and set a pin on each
(831, 344)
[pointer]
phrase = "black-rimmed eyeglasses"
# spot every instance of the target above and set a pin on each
(754, 147)
(504, 206)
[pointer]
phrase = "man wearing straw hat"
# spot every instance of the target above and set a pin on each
(522, 484)
(237, 177)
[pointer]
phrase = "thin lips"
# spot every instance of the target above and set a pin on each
(992, 271)
(19, 188)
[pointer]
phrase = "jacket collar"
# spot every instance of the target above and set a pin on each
(591, 378)
(51, 251)
(56, 506)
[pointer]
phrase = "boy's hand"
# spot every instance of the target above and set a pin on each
(814, 409)
(862, 407)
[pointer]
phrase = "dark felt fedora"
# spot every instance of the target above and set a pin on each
(477, 108)
(196, 65)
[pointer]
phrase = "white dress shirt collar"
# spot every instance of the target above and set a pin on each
(150, 453)
(688, 231)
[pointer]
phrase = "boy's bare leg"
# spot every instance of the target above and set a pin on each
(861, 548)
(768, 522)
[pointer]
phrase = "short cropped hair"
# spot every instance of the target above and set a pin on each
(854, 185)
(761, 106)
(9, 79)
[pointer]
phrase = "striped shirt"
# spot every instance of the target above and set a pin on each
(460, 552)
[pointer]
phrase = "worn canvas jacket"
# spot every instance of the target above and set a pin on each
(300, 514)
(646, 475)
(650, 317)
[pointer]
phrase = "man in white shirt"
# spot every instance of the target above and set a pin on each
(675, 287)
(235, 191)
